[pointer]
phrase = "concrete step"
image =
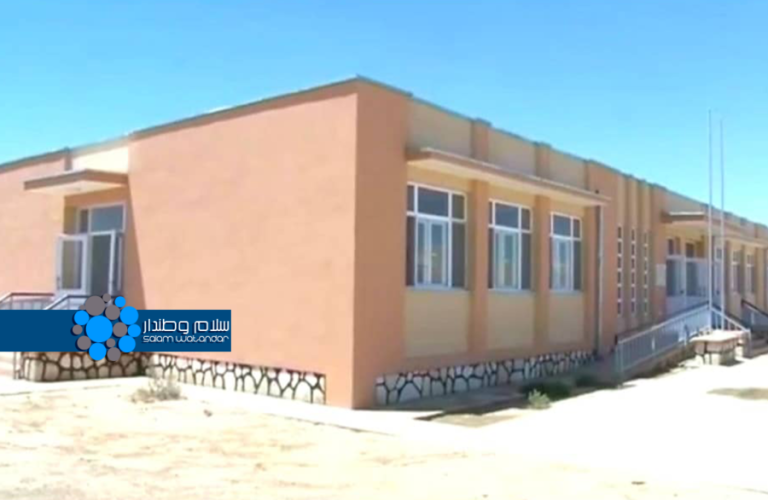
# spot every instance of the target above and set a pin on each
(759, 347)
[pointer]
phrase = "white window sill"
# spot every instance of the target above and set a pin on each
(438, 289)
(510, 291)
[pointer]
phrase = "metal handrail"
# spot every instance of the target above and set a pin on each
(660, 339)
(10, 295)
(677, 317)
(735, 326)
(65, 298)
(632, 332)
(753, 311)
(9, 298)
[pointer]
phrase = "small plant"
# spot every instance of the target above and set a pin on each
(553, 389)
(538, 400)
(158, 389)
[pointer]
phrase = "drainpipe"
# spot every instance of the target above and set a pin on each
(599, 329)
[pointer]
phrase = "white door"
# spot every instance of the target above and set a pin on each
(104, 269)
(71, 268)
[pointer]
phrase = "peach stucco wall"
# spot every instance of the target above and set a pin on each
(379, 231)
(29, 225)
(255, 214)
(436, 322)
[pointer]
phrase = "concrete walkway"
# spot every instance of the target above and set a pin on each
(668, 428)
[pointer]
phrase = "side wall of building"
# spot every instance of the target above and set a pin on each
(255, 213)
(29, 225)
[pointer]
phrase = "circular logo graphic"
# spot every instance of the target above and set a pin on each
(101, 326)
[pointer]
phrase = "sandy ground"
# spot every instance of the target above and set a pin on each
(697, 424)
(97, 443)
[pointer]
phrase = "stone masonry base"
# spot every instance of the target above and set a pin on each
(407, 386)
(58, 366)
(290, 384)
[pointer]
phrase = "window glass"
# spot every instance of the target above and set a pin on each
(435, 239)
(507, 259)
(509, 263)
(561, 225)
(526, 219)
(507, 216)
(437, 253)
(577, 265)
(561, 264)
(457, 206)
(410, 249)
(491, 256)
(83, 221)
(107, 218)
(525, 266)
(421, 252)
(565, 258)
(458, 258)
(433, 202)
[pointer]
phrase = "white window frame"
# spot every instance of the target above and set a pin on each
(569, 262)
(448, 220)
(89, 209)
(506, 230)
(88, 233)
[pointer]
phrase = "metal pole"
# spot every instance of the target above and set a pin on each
(723, 302)
(599, 279)
(709, 226)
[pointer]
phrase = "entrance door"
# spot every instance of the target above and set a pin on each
(104, 263)
(71, 269)
(90, 264)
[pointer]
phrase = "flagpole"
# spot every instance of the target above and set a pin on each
(723, 301)
(709, 224)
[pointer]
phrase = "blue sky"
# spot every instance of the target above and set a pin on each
(627, 83)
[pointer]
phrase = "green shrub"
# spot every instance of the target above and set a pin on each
(538, 400)
(553, 389)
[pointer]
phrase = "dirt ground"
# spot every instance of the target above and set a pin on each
(96, 443)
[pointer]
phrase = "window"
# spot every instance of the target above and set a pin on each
(565, 253)
(735, 271)
(646, 273)
(750, 273)
(435, 239)
(619, 271)
(106, 218)
(633, 271)
(509, 247)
